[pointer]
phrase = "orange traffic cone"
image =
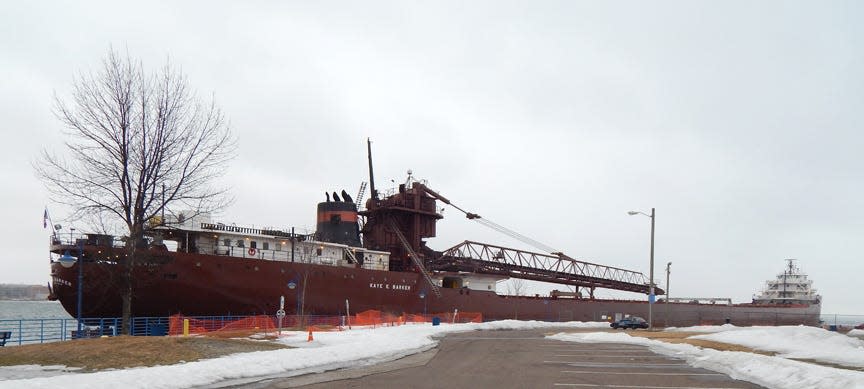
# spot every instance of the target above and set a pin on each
(310, 335)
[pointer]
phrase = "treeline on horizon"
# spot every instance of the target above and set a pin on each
(23, 292)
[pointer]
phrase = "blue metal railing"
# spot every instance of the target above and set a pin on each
(30, 331)
(26, 331)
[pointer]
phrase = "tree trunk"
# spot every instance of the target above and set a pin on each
(127, 295)
(127, 279)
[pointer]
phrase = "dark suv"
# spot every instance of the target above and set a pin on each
(633, 322)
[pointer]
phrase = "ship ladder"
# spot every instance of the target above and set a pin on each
(360, 194)
(415, 258)
(351, 255)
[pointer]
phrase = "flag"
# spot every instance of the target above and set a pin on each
(45, 219)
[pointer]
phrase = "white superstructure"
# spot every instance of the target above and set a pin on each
(199, 235)
(790, 287)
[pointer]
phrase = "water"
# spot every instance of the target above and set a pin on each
(842, 320)
(35, 321)
(32, 310)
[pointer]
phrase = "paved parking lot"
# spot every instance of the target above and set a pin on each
(601, 365)
(520, 359)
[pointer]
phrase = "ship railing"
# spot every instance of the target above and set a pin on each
(255, 231)
(701, 300)
(88, 239)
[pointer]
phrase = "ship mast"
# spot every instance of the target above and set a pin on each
(371, 174)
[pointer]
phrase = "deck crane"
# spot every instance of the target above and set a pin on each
(401, 222)
(554, 267)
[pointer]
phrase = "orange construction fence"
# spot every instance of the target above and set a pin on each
(316, 323)
(203, 326)
(377, 318)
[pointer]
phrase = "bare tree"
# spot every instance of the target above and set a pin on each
(516, 287)
(138, 143)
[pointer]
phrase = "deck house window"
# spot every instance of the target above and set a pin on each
(227, 242)
(253, 244)
(265, 246)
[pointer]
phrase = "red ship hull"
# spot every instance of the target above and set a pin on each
(199, 284)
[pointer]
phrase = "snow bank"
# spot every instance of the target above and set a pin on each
(329, 350)
(771, 372)
(706, 329)
(799, 342)
(358, 347)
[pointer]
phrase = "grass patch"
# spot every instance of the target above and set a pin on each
(681, 337)
(828, 364)
(128, 351)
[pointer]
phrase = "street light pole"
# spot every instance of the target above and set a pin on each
(80, 296)
(651, 277)
(651, 269)
(651, 296)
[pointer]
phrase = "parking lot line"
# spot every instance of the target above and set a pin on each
(598, 349)
(613, 356)
(618, 365)
(588, 346)
(494, 338)
(642, 386)
(636, 373)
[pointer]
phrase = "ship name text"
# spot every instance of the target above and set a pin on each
(374, 285)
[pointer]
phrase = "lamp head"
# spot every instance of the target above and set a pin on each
(631, 213)
(67, 260)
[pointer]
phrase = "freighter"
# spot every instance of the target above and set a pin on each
(369, 258)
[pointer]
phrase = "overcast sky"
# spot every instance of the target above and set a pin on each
(739, 121)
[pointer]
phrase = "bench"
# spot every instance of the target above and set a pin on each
(4, 336)
(86, 333)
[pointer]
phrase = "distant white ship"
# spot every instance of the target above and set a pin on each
(791, 287)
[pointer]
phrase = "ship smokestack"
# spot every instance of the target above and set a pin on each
(337, 223)
(346, 198)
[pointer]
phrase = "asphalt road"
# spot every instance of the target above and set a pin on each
(519, 359)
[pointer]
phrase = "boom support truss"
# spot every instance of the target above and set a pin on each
(561, 269)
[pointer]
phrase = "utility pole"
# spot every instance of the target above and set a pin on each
(668, 267)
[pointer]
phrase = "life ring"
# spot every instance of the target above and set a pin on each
(251, 251)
